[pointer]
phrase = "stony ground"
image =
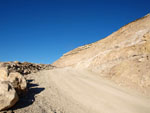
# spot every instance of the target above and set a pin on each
(78, 91)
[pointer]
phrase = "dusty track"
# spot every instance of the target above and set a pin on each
(71, 91)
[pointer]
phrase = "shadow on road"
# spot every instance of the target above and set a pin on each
(29, 97)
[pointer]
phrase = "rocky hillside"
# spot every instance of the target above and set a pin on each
(25, 67)
(123, 57)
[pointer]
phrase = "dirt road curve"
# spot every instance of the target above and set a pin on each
(72, 91)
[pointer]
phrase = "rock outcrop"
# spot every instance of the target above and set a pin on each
(25, 67)
(123, 57)
(8, 95)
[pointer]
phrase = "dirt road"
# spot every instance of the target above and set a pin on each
(71, 91)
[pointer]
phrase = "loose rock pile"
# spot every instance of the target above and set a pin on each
(12, 80)
(8, 95)
(25, 67)
(12, 84)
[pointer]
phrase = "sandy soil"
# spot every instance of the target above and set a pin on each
(70, 91)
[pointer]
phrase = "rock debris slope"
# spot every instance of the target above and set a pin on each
(25, 67)
(123, 57)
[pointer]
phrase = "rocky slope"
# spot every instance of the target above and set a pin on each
(25, 67)
(123, 57)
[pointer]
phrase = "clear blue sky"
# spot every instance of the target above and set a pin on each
(41, 31)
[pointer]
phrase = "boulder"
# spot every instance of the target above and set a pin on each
(18, 82)
(8, 95)
(16, 79)
(3, 74)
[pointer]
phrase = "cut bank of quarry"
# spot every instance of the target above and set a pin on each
(109, 76)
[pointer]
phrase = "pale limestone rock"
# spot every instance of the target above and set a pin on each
(18, 81)
(3, 74)
(8, 95)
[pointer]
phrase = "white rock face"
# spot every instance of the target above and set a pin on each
(8, 95)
